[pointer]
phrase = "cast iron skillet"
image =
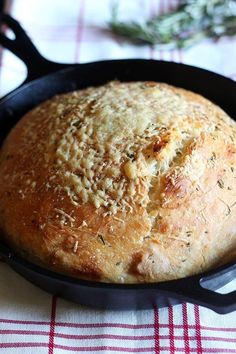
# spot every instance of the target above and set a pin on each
(46, 79)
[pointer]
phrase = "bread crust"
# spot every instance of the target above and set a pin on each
(127, 182)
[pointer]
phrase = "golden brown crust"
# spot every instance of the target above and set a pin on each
(128, 182)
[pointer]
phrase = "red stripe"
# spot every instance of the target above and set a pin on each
(112, 348)
(102, 336)
(185, 321)
(113, 336)
(79, 32)
(25, 332)
(151, 52)
(160, 12)
(113, 325)
(157, 337)
(156, 331)
(171, 329)
(140, 350)
(181, 57)
(77, 349)
(52, 325)
(104, 325)
(170, 8)
(106, 348)
(23, 345)
(198, 329)
(174, 53)
(152, 14)
(25, 322)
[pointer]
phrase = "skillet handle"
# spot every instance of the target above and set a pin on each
(24, 49)
(195, 291)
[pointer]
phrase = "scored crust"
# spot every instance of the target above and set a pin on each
(126, 182)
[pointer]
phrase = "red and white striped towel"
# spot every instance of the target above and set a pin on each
(32, 321)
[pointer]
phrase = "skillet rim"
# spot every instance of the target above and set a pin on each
(68, 67)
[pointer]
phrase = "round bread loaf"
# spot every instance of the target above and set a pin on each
(127, 182)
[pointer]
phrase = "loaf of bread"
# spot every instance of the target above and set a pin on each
(126, 182)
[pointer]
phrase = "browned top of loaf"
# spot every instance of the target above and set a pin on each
(124, 182)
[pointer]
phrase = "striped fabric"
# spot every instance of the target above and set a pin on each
(32, 321)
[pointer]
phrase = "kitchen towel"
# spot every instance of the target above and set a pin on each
(32, 321)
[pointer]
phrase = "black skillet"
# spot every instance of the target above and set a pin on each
(46, 79)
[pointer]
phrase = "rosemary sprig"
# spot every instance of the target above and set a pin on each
(192, 21)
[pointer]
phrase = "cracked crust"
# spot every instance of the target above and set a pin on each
(127, 182)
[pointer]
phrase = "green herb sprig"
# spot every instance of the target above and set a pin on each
(192, 21)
